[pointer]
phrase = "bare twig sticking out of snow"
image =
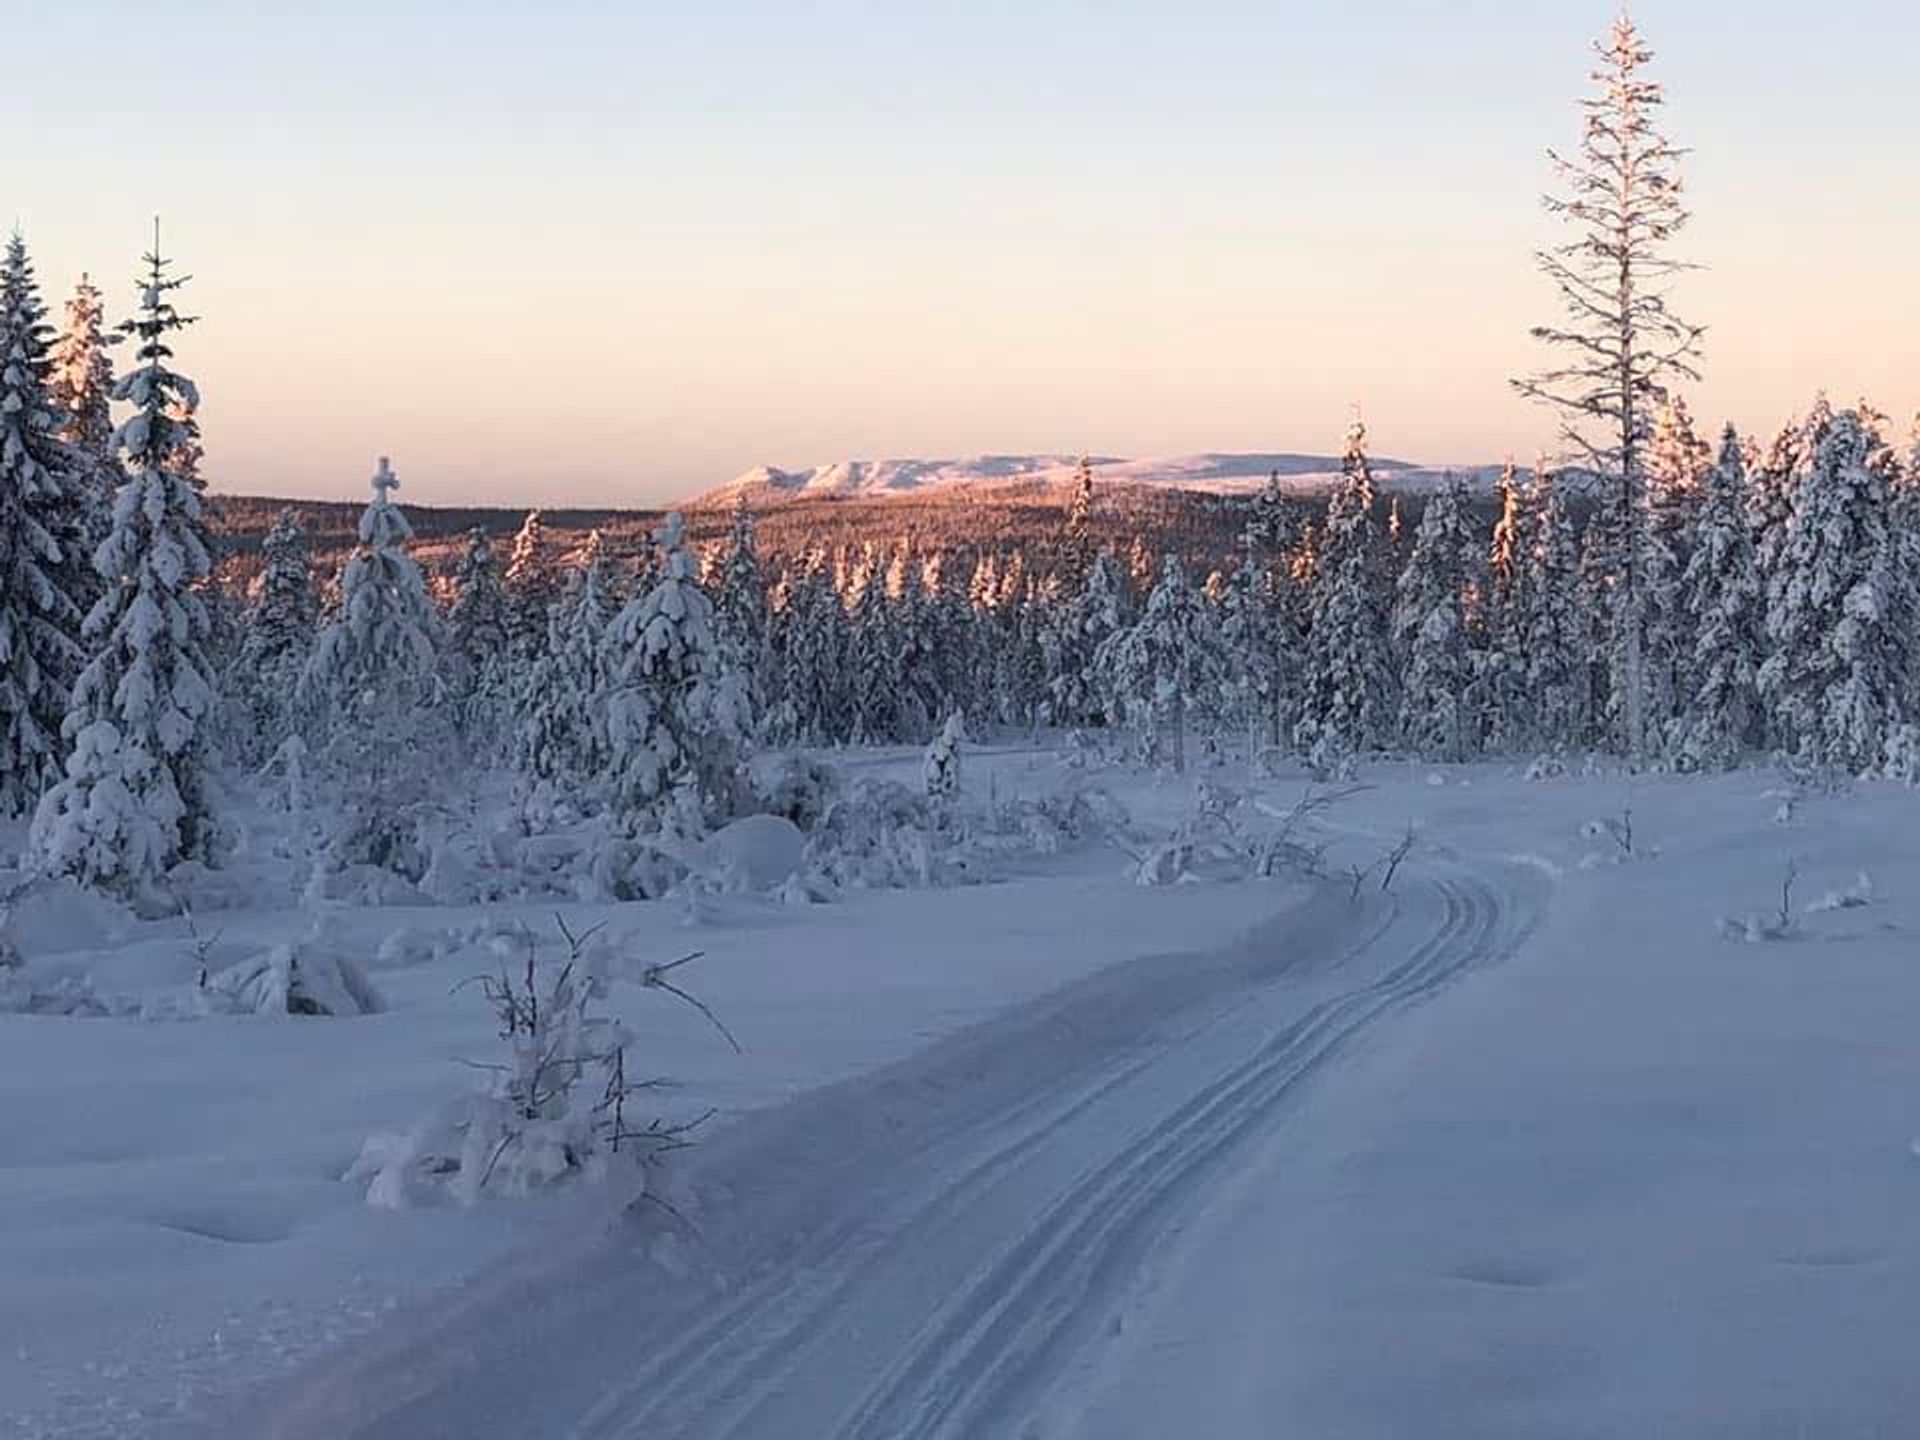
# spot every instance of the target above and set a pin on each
(1395, 857)
(655, 977)
(202, 947)
(1387, 866)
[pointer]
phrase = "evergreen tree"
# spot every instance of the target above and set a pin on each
(1253, 639)
(1351, 699)
(531, 585)
(373, 669)
(1082, 625)
(1158, 667)
(1725, 614)
(280, 627)
(41, 548)
(1770, 514)
(1622, 342)
(560, 732)
(479, 629)
(1502, 619)
(80, 388)
(1430, 630)
(816, 706)
(742, 618)
(873, 660)
(133, 802)
(1678, 463)
(1558, 689)
(676, 718)
(1837, 676)
(1079, 536)
(942, 765)
(278, 632)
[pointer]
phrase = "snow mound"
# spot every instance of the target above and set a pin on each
(51, 917)
(760, 852)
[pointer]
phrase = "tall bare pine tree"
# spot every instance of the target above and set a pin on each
(1620, 346)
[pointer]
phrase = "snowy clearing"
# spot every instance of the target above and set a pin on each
(1524, 1147)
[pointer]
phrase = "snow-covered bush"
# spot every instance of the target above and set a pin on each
(1903, 755)
(799, 789)
(754, 854)
(558, 1106)
(880, 835)
(297, 978)
(941, 768)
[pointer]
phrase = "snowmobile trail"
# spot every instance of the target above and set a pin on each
(928, 1251)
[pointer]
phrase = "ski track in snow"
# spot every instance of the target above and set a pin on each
(930, 1252)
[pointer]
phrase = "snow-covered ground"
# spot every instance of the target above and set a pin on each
(1527, 1146)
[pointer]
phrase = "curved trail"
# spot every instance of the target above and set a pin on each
(927, 1252)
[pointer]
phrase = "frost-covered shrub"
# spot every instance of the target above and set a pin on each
(880, 835)
(1550, 766)
(1903, 755)
(941, 768)
(800, 790)
(558, 1106)
(369, 832)
(300, 978)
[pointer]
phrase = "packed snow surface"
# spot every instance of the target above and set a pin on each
(1524, 1146)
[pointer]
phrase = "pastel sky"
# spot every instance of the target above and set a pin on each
(557, 250)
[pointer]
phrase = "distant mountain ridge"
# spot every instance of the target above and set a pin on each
(1217, 473)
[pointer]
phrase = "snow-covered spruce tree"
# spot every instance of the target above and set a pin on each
(286, 608)
(279, 630)
(917, 619)
(532, 585)
(133, 802)
(1430, 630)
(817, 705)
(80, 387)
(1351, 702)
(1253, 638)
(1499, 691)
(1724, 613)
(676, 719)
(560, 733)
(1079, 527)
(1557, 635)
(373, 695)
(1080, 625)
(377, 656)
(1159, 666)
(1621, 343)
(742, 619)
(479, 631)
(873, 658)
(42, 547)
(942, 765)
(1777, 489)
(1677, 465)
(1837, 678)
